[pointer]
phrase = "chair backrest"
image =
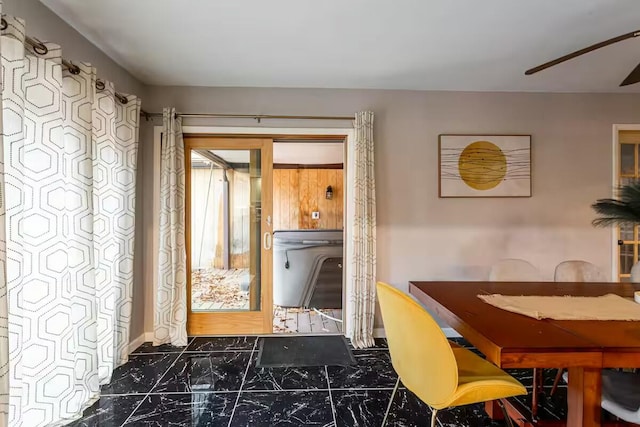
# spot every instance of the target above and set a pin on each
(621, 394)
(420, 352)
(514, 270)
(578, 271)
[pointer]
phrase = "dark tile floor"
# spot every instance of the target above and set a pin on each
(215, 382)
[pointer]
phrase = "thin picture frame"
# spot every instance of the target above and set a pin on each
(506, 173)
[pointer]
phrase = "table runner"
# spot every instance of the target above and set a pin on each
(605, 307)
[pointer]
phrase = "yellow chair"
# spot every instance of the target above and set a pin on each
(441, 374)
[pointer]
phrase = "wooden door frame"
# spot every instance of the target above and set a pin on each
(234, 322)
(257, 132)
(615, 160)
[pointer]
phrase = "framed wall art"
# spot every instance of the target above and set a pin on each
(484, 165)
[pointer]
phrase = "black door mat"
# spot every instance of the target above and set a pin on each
(287, 352)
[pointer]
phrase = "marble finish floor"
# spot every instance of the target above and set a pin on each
(215, 382)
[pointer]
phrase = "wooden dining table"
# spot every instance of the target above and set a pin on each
(511, 340)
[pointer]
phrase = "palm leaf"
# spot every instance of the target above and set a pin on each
(623, 210)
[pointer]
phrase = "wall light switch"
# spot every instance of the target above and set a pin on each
(315, 215)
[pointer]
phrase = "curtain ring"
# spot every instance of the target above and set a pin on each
(40, 48)
(121, 98)
(74, 69)
(3, 24)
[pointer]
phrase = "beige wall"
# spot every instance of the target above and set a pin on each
(419, 235)
(423, 237)
(45, 25)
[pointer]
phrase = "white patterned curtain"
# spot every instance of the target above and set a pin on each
(361, 300)
(4, 325)
(170, 317)
(69, 176)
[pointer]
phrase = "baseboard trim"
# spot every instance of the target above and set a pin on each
(449, 333)
(379, 333)
(137, 342)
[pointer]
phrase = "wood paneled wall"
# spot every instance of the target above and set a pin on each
(298, 192)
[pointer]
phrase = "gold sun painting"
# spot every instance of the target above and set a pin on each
(485, 166)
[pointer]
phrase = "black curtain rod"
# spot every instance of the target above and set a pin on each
(257, 117)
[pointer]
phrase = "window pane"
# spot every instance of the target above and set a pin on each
(225, 230)
(626, 232)
(627, 159)
(626, 259)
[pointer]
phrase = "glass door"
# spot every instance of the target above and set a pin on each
(228, 235)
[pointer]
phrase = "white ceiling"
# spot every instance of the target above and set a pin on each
(403, 44)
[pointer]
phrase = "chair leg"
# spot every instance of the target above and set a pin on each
(507, 418)
(434, 414)
(393, 393)
(535, 391)
(541, 380)
(556, 381)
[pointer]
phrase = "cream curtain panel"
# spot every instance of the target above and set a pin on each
(67, 244)
(4, 324)
(170, 317)
(361, 300)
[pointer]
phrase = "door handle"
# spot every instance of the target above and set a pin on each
(266, 240)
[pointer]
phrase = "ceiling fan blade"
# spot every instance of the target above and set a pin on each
(632, 78)
(582, 52)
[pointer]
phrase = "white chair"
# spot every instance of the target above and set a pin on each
(578, 271)
(620, 394)
(514, 270)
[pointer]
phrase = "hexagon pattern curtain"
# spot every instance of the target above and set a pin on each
(4, 325)
(170, 315)
(69, 192)
(361, 271)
